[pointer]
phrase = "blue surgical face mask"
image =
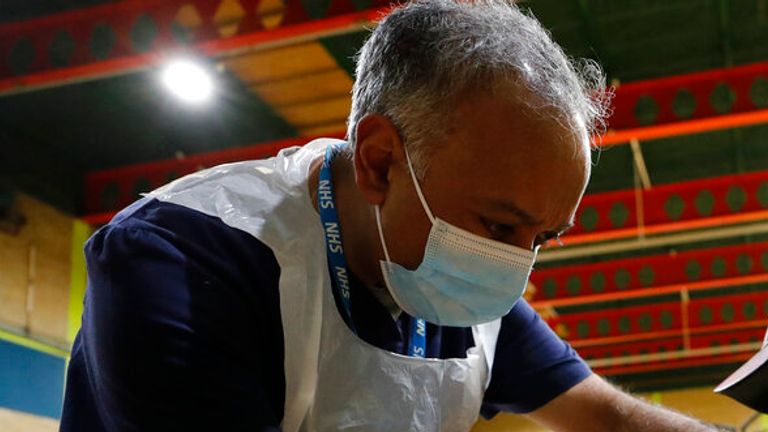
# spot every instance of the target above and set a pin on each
(463, 280)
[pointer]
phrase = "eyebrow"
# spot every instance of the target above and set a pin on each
(526, 217)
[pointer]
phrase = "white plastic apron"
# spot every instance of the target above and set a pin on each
(334, 380)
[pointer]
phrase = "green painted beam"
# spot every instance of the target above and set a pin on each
(726, 46)
(343, 48)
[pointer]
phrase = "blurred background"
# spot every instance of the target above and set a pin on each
(662, 286)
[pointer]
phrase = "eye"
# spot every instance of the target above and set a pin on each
(498, 230)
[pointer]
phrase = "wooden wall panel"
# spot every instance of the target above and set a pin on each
(49, 231)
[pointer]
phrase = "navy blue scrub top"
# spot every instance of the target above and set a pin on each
(182, 331)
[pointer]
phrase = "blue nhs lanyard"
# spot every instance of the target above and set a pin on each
(337, 264)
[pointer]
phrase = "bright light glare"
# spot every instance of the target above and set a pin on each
(188, 81)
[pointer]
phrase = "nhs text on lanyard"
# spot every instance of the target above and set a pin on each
(337, 263)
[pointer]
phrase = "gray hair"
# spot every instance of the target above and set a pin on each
(427, 52)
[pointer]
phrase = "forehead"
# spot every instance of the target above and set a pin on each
(498, 150)
(506, 138)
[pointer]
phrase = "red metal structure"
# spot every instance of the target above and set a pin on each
(672, 207)
(667, 208)
(120, 37)
(646, 276)
(745, 110)
(107, 191)
(689, 103)
(645, 309)
(699, 95)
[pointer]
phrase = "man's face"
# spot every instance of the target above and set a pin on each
(501, 172)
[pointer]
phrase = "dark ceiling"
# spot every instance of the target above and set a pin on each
(17, 10)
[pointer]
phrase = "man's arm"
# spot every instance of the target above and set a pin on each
(181, 329)
(596, 405)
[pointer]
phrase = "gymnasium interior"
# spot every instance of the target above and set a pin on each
(661, 286)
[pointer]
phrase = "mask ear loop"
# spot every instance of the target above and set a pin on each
(377, 209)
(418, 187)
(381, 233)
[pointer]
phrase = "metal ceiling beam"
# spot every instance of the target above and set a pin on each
(664, 325)
(640, 337)
(704, 285)
(675, 355)
(746, 79)
(692, 304)
(677, 237)
(109, 190)
(695, 204)
(689, 103)
(128, 36)
(647, 276)
(695, 360)
(748, 86)
(645, 348)
(719, 223)
(713, 202)
(660, 328)
(680, 128)
(641, 169)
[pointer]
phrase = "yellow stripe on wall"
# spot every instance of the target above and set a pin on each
(33, 344)
(78, 277)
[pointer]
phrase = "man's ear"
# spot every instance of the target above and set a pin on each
(377, 148)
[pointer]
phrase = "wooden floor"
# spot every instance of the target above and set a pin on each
(14, 421)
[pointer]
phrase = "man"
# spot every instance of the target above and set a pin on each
(372, 285)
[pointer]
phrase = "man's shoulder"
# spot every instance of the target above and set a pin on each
(521, 316)
(160, 254)
(156, 216)
(186, 230)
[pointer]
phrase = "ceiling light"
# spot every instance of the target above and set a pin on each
(187, 80)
